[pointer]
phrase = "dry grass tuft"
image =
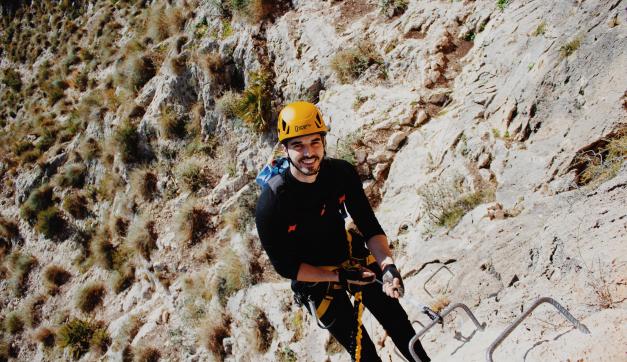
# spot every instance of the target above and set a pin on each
(213, 333)
(90, 297)
(193, 223)
(76, 204)
(147, 354)
(20, 266)
(14, 322)
(72, 176)
(172, 124)
(45, 336)
(603, 161)
(349, 64)
(122, 279)
(193, 174)
(143, 237)
(37, 201)
(264, 330)
(439, 305)
(144, 183)
(232, 275)
(79, 336)
(55, 276)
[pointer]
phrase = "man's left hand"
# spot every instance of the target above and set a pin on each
(392, 282)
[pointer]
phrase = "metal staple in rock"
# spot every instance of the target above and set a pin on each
(582, 328)
(412, 342)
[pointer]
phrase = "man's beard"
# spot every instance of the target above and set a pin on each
(307, 171)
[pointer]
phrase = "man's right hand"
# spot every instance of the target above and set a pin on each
(361, 276)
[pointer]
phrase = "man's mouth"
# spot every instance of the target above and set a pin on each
(309, 161)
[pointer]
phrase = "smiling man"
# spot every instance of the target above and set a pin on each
(301, 223)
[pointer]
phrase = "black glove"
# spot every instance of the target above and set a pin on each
(389, 274)
(354, 276)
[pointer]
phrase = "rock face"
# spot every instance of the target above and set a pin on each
(490, 137)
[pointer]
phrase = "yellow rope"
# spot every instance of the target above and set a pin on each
(360, 309)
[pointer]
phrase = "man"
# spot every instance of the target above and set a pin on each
(300, 219)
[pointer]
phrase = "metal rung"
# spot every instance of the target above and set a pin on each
(412, 342)
(424, 286)
(582, 328)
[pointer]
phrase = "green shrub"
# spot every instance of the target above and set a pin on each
(37, 201)
(127, 141)
(14, 322)
(12, 79)
(349, 64)
(501, 4)
(77, 335)
(254, 107)
(90, 297)
(172, 125)
(76, 205)
(50, 223)
(72, 176)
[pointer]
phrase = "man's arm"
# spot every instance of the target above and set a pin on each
(378, 246)
(310, 273)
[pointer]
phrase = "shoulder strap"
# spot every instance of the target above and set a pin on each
(275, 182)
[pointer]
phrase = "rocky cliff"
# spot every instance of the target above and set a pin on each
(490, 136)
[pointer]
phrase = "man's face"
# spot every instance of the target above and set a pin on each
(306, 153)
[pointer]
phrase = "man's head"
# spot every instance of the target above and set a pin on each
(301, 130)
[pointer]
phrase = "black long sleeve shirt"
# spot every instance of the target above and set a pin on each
(304, 222)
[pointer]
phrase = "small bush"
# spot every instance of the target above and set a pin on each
(9, 230)
(192, 174)
(147, 354)
(50, 223)
(178, 63)
(100, 341)
(228, 104)
(20, 266)
(501, 4)
(143, 237)
(72, 176)
(45, 336)
(265, 331)
(77, 335)
(445, 204)
(570, 47)
(37, 201)
(254, 107)
(251, 10)
(90, 297)
(89, 149)
(135, 72)
(540, 29)
(349, 64)
(102, 249)
(127, 141)
(392, 7)
(14, 322)
(172, 125)
(598, 165)
(214, 333)
(193, 223)
(144, 183)
(122, 279)
(55, 276)
(12, 79)
(76, 205)
(232, 276)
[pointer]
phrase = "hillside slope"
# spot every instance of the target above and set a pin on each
(490, 136)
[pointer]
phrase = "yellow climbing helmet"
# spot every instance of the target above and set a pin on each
(300, 119)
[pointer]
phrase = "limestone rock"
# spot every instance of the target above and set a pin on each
(396, 140)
